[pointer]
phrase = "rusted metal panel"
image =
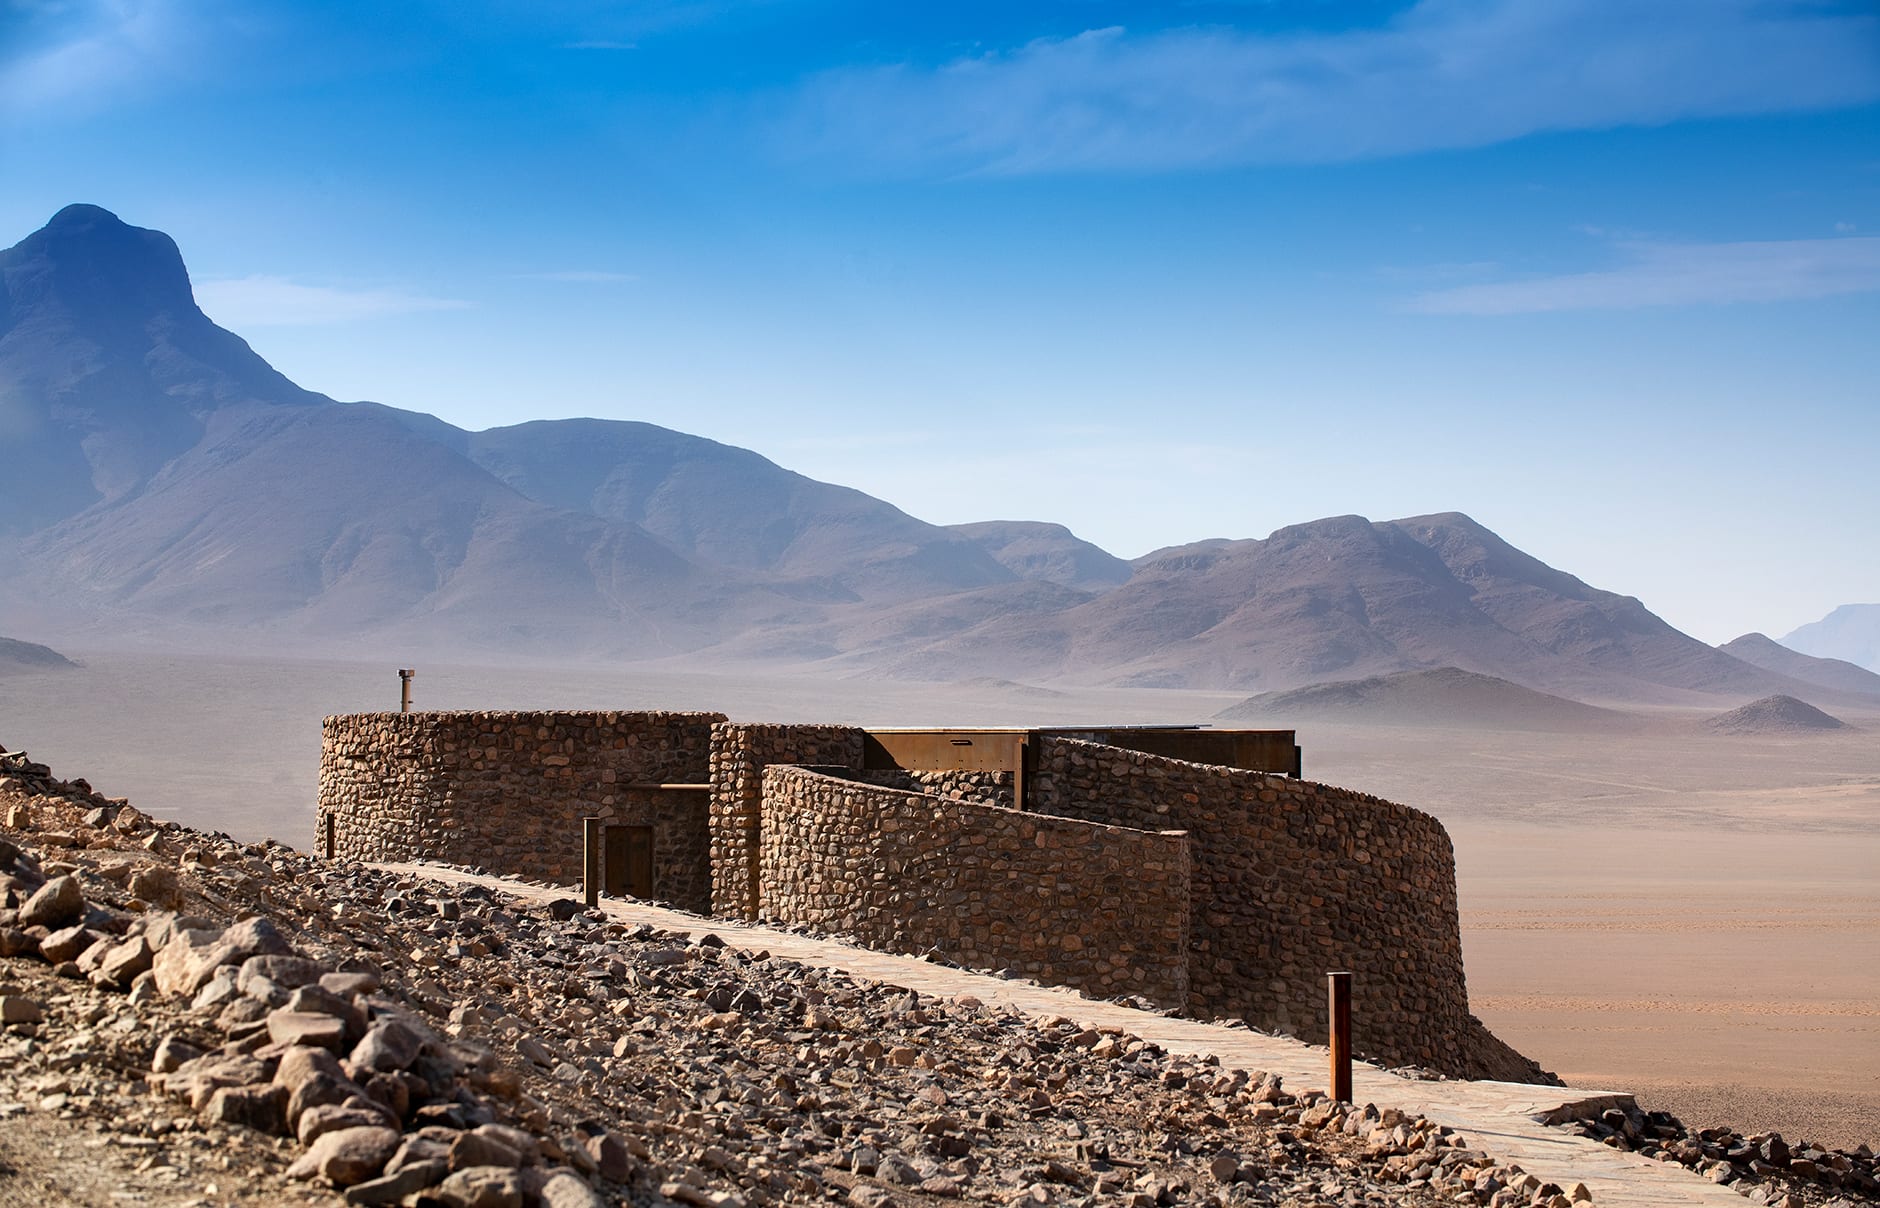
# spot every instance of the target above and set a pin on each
(944, 750)
(1002, 750)
(1250, 750)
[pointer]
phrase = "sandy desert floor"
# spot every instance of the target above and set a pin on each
(1691, 917)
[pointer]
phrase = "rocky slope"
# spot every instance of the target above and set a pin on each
(1837, 674)
(190, 1020)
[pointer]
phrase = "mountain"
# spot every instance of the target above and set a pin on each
(1774, 715)
(166, 485)
(1051, 553)
(730, 507)
(107, 368)
(1851, 633)
(1837, 674)
(1444, 696)
(1345, 598)
(171, 479)
(16, 656)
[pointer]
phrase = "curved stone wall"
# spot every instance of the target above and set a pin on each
(1100, 908)
(507, 791)
(1293, 880)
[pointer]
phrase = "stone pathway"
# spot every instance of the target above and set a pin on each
(1501, 1118)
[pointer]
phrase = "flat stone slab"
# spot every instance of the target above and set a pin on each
(1506, 1119)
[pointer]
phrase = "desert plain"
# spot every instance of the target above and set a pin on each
(1691, 916)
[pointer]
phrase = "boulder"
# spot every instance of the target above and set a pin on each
(58, 903)
(172, 1053)
(261, 1108)
(564, 1189)
(156, 883)
(306, 1028)
(287, 972)
(347, 1156)
(392, 1188)
(390, 1044)
(123, 962)
(67, 944)
(189, 960)
(481, 1187)
(316, 1122)
(312, 998)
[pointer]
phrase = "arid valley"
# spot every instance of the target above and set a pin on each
(1663, 909)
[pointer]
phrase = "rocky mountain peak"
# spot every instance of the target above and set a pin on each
(95, 269)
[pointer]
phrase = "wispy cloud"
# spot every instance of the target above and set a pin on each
(600, 44)
(1681, 275)
(1444, 74)
(263, 301)
(582, 276)
(66, 59)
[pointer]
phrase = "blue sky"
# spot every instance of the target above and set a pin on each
(1604, 274)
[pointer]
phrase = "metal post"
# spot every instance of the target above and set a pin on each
(591, 861)
(404, 688)
(1338, 986)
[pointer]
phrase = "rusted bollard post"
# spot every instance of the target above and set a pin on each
(591, 861)
(1338, 987)
(404, 688)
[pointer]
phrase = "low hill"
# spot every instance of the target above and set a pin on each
(27, 656)
(1438, 697)
(1839, 674)
(1774, 715)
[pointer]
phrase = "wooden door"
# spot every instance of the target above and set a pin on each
(629, 861)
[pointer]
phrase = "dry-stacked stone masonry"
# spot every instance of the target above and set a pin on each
(1227, 892)
(739, 754)
(1292, 880)
(1100, 908)
(507, 791)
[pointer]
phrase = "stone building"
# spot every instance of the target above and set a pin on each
(1192, 868)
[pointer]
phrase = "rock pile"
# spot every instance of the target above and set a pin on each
(1763, 1167)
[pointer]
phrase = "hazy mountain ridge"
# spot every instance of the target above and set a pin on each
(1344, 598)
(1850, 633)
(183, 486)
(1836, 674)
(1050, 552)
(728, 506)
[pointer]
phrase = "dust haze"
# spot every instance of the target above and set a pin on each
(1658, 907)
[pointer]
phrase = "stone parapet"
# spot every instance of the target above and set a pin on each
(507, 791)
(1293, 880)
(1100, 908)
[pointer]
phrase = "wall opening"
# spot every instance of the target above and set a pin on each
(627, 862)
(327, 838)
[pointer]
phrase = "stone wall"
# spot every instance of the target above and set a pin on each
(739, 754)
(983, 788)
(507, 791)
(1293, 880)
(1100, 908)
